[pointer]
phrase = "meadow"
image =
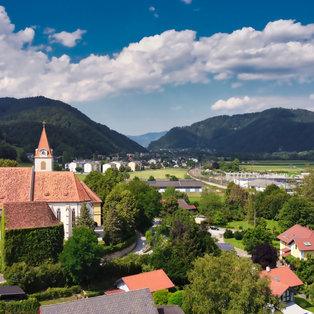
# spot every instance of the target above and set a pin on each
(159, 174)
(291, 167)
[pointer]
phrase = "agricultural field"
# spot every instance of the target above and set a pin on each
(244, 224)
(291, 167)
(159, 174)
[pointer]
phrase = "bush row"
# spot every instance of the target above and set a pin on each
(24, 306)
(34, 279)
(238, 235)
(120, 246)
(55, 293)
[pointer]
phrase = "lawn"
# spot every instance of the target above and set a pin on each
(60, 300)
(235, 243)
(304, 303)
(159, 174)
(194, 198)
(25, 164)
(244, 224)
(81, 177)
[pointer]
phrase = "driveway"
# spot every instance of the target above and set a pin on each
(219, 235)
(293, 308)
(141, 244)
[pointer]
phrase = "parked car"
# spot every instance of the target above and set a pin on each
(214, 228)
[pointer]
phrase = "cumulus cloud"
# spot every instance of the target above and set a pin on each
(248, 104)
(152, 9)
(283, 51)
(67, 39)
(187, 1)
(231, 103)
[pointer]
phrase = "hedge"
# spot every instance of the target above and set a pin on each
(91, 294)
(55, 293)
(120, 246)
(34, 279)
(24, 306)
(32, 246)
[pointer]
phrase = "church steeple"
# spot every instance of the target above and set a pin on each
(43, 154)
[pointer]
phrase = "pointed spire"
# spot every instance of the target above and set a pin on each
(43, 144)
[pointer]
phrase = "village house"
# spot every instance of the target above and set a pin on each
(282, 282)
(297, 241)
(186, 186)
(61, 190)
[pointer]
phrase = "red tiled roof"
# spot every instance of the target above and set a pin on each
(305, 244)
(192, 207)
(113, 291)
(15, 184)
(92, 195)
(21, 215)
(286, 254)
(285, 249)
(183, 204)
(43, 144)
(281, 278)
(58, 186)
(154, 280)
(295, 232)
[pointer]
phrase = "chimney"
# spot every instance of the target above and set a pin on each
(268, 269)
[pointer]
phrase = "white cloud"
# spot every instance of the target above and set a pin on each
(187, 1)
(236, 84)
(152, 9)
(231, 103)
(283, 51)
(248, 104)
(156, 15)
(67, 39)
(49, 30)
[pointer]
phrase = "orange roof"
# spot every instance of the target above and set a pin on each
(295, 232)
(92, 195)
(58, 186)
(15, 184)
(43, 144)
(21, 215)
(154, 280)
(281, 278)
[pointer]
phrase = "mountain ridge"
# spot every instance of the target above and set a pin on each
(145, 139)
(68, 129)
(271, 130)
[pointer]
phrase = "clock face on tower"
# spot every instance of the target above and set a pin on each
(43, 153)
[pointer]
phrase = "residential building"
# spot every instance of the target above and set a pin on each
(297, 241)
(282, 282)
(132, 302)
(180, 185)
(154, 280)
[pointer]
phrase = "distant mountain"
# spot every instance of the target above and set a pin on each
(145, 139)
(69, 131)
(269, 131)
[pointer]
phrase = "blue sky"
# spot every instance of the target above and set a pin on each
(149, 65)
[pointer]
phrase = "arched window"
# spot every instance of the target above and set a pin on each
(43, 165)
(73, 216)
(59, 214)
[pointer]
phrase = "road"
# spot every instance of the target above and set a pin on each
(195, 174)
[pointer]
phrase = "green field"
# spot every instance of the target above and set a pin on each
(235, 243)
(159, 174)
(81, 177)
(304, 303)
(290, 167)
(244, 224)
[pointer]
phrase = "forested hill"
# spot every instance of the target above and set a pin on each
(69, 131)
(269, 131)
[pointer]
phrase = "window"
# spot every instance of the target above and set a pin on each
(73, 215)
(43, 152)
(43, 165)
(59, 214)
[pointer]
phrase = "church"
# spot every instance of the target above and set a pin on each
(61, 190)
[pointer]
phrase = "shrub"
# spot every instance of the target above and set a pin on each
(120, 246)
(90, 294)
(238, 235)
(228, 234)
(149, 236)
(161, 297)
(34, 279)
(176, 298)
(24, 306)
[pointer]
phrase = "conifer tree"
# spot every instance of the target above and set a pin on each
(84, 220)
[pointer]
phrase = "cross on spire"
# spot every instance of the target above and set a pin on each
(44, 124)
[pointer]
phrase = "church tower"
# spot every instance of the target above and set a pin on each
(43, 154)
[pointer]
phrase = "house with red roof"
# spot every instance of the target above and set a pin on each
(297, 241)
(61, 190)
(282, 282)
(154, 280)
